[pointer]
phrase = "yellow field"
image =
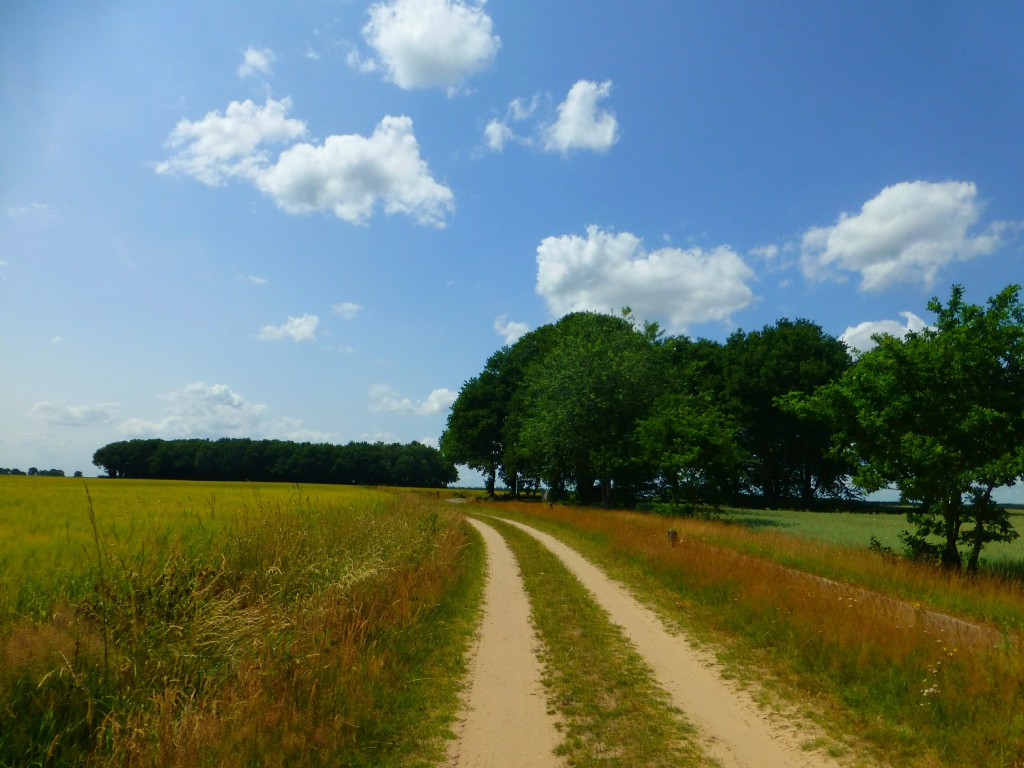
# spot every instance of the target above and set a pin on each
(46, 531)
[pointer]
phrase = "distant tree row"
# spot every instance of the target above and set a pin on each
(412, 465)
(613, 411)
(33, 471)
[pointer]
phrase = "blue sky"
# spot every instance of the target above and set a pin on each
(316, 220)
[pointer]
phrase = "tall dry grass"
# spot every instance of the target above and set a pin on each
(923, 687)
(299, 633)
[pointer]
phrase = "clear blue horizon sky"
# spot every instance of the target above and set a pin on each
(316, 220)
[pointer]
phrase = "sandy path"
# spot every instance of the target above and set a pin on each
(504, 722)
(736, 731)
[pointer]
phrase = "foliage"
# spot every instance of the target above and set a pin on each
(583, 401)
(412, 465)
(938, 415)
(790, 456)
(694, 447)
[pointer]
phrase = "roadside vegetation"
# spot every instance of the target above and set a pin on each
(207, 625)
(810, 625)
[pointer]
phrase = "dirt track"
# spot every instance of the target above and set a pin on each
(505, 720)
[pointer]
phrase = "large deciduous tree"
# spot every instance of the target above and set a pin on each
(939, 415)
(790, 453)
(583, 400)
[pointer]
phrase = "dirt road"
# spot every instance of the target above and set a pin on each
(506, 721)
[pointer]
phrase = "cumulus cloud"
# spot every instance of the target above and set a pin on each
(386, 399)
(256, 61)
(604, 272)
(510, 331)
(220, 146)
(76, 415)
(349, 175)
(347, 309)
(858, 337)
(294, 328)
(429, 43)
(201, 410)
(581, 123)
(905, 234)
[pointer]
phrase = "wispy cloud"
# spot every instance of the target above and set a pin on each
(256, 61)
(76, 415)
(388, 400)
(295, 328)
(347, 309)
(214, 410)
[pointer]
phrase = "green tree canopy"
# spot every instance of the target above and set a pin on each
(938, 415)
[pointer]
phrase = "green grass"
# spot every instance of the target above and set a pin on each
(611, 710)
(233, 625)
(850, 529)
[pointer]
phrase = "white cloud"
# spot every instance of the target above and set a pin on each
(256, 61)
(905, 234)
(581, 124)
(254, 279)
(75, 415)
(858, 337)
(296, 328)
(606, 272)
(224, 145)
(497, 134)
(201, 410)
(388, 400)
(347, 309)
(429, 43)
(511, 331)
(349, 175)
(766, 252)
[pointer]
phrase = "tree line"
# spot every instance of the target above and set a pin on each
(613, 411)
(412, 465)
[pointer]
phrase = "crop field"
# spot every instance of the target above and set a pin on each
(851, 529)
(161, 623)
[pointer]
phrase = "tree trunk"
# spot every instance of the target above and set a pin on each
(950, 560)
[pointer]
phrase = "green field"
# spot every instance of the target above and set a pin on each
(849, 529)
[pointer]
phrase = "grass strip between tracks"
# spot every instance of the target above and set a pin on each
(610, 710)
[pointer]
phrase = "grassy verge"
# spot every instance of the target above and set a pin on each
(294, 632)
(612, 712)
(916, 696)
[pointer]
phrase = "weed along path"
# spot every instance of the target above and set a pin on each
(505, 721)
(735, 731)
